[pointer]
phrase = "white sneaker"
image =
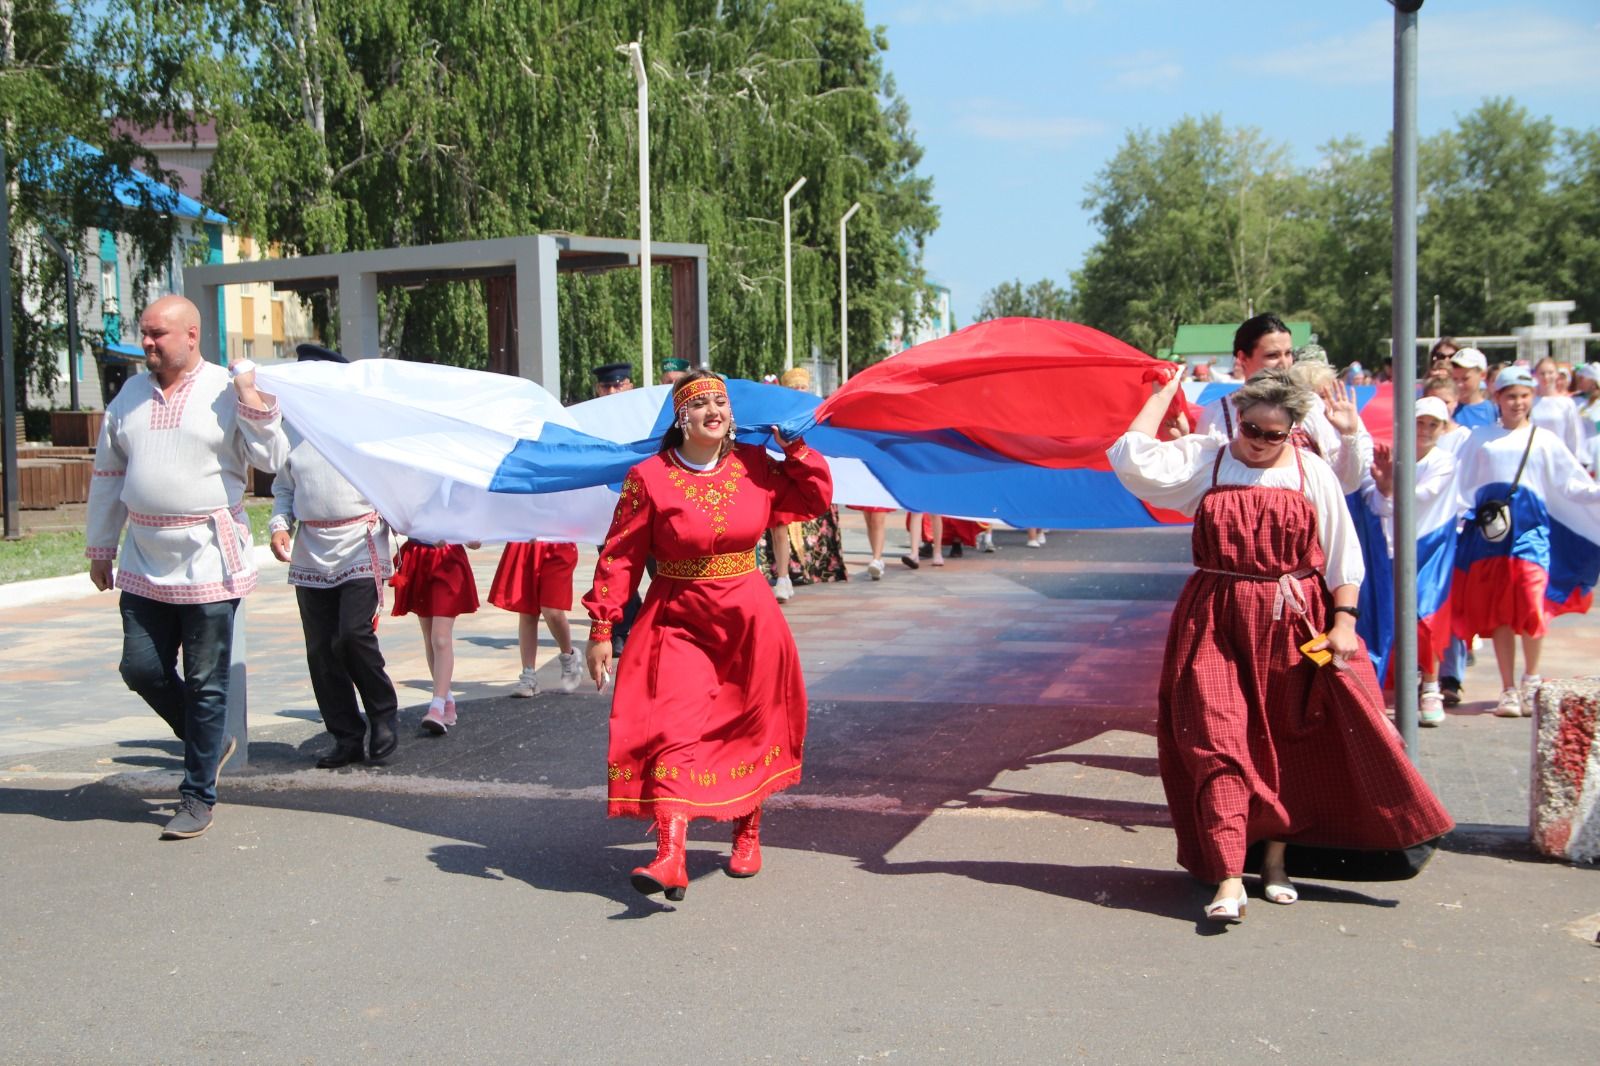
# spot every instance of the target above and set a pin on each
(875, 570)
(571, 672)
(1510, 705)
(986, 541)
(783, 589)
(1035, 542)
(1431, 708)
(1043, 537)
(527, 685)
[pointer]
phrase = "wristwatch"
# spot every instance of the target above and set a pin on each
(1353, 612)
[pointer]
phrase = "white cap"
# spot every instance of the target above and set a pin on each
(1470, 358)
(1433, 407)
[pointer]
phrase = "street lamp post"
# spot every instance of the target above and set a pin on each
(1404, 370)
(8, 374)
(72, 311)
(646, 347)
(788, 282)
(844, 300)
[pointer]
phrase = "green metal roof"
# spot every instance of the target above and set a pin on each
(1216, 338)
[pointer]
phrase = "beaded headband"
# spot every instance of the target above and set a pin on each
(698, 387)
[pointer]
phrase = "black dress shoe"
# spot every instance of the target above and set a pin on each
(383, 738)
(343, 754)
(955, 550)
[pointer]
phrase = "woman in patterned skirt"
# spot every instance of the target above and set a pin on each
(1256, 741)
(709, 713)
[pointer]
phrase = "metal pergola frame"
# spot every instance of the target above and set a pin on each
(533, 262)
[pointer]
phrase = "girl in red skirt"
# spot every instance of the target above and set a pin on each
(435, 583)
(1256, 741)
(535, 578)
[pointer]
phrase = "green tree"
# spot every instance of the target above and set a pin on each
(1043, 299)
(371, 123)
(1486, 212)
(1347, 294)
(64, 163)
(1196, 223)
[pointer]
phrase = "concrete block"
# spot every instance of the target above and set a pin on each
(1565, 793)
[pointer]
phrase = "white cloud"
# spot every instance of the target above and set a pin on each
(924, 11)
(1150, 69)
(1485, 53)
(1001, 120)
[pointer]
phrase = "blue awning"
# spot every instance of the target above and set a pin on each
(135, 188)
(115, 352)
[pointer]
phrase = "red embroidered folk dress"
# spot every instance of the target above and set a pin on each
(1256, 742)
(709, 711)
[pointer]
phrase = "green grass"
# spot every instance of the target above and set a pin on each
(54, 554)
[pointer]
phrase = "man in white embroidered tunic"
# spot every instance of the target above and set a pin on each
(338, 564)
(171, 466)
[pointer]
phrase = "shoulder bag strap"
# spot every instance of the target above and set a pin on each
(1532, 429)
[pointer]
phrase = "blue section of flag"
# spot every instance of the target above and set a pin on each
(944, 473)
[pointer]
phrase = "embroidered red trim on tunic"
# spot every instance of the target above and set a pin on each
(100, 553)
(599, 630)
(110, 473)
(210, 592)
(255, 414)
(168, 414)
(334, 523)
(174, 521)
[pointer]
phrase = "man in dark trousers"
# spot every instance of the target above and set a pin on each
(338, 564)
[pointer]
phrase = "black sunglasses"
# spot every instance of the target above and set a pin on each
(1255, 432)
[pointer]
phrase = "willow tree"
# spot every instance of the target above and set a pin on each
(372, 123)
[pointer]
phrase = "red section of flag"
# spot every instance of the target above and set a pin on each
(1378, 414)
(1049, 393)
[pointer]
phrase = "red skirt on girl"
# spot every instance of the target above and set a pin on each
(433, 581)
(533, 574)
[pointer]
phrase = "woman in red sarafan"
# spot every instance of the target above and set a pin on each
(708, 717)
(1256, 742)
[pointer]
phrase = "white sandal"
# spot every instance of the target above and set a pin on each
(1282, 892)
(1228, 910)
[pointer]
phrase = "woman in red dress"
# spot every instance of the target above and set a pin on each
(1256, 741)
(709, 714)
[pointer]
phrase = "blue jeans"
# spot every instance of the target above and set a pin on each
(1454, 661)
(196, 704)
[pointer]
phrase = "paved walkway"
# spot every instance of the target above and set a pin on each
(1070, 635)
(977, 867)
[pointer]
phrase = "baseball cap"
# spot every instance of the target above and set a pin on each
(1511, 376)
(1433, 407)
(1586, 370)
(1470, 358)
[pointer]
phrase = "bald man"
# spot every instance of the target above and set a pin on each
(171, 466)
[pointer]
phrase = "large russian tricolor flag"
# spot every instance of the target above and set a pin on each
(1004, 420)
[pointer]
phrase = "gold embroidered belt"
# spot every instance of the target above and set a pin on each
(708, 567)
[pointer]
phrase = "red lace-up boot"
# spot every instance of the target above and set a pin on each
(746, 859)
(669, 872)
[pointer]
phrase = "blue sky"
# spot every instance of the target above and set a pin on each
(1018, 103)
